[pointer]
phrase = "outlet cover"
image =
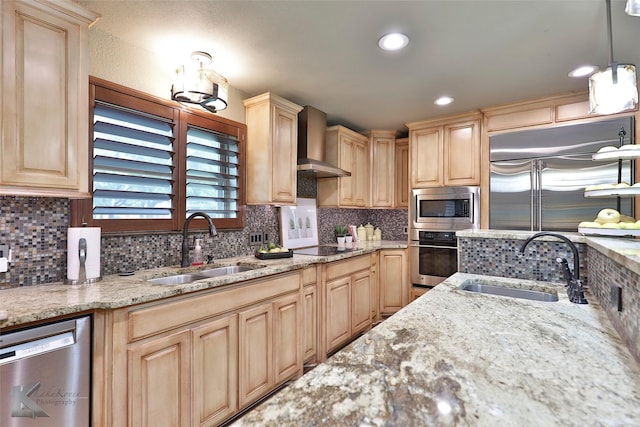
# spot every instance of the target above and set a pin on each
(255, 239)
(4, 251)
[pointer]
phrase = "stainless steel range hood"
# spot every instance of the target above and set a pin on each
(312, 127)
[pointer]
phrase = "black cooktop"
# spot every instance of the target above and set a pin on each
(321, 250)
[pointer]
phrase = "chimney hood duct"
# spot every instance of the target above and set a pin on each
(312, 128)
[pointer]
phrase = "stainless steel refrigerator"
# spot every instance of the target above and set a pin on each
(538, 177)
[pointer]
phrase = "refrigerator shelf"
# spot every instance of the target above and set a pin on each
(617, 155)
(612, 232)
(614, 192)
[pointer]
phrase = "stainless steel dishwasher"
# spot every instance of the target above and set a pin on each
(45, 375)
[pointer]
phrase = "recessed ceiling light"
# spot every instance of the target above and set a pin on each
(583, 70)
(443, 100)
(393, 41)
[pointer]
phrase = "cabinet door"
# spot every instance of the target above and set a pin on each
(338, 312)
(286, 332)
(393, 281)
(402, 189)
(347, 161)
(462, 153)
(310, 304)
(256, 353)
(382, 174)
(215, 371)
(361, 179)
(360, 301)
(426, 157)
(284, 155)
(159, 382)
(44, 98)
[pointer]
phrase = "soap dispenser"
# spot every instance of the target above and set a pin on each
(197, 254)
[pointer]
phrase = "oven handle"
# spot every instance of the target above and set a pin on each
(433, 246)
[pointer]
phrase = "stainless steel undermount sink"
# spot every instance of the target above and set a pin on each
(180, 279)
(530, 294)
(223, 271)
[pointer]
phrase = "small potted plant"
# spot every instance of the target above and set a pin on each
(341, 232)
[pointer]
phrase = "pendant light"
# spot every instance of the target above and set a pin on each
(613, 89)
(196, 84)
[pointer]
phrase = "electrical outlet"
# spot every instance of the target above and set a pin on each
(265, 238)
(405, 230)
(4, 251)
(616, 296)
(255, 239)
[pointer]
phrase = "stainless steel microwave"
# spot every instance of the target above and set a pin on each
(445, 208)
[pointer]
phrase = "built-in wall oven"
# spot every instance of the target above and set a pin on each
(436, 215)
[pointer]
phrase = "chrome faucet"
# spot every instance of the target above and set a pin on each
(575, 291)
(185, 242)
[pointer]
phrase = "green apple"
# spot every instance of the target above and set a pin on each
(632, 225)
(612, 225)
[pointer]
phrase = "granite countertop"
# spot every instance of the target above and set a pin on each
(28, 304)
(454, 358)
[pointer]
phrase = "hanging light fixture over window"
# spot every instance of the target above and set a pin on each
(613, 89)
(196, 84)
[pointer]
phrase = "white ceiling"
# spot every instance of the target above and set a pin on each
(325, 53)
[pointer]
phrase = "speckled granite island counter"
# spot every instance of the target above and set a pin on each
(454, 358)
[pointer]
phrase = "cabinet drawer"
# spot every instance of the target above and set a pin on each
(346, 267)
(309, 276)
(168, 315)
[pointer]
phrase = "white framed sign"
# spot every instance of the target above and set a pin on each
(299, 224)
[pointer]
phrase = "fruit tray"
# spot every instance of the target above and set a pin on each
(274, 255)
(615, 232)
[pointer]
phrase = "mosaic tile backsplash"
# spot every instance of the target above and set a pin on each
(501, 257)
(603, 273)
(36, 229)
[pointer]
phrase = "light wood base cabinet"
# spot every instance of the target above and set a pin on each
(44, 94)
(195, 360)
(310, 303)
(159, 382)
(348, 287)
(393, 281)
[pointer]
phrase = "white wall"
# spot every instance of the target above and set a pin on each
(113, 60)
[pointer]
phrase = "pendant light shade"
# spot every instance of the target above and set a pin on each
(614, 89)
(196, 84)
(606, 96)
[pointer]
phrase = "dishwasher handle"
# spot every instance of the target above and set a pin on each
(35, 348)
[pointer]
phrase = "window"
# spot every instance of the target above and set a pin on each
(154, 163)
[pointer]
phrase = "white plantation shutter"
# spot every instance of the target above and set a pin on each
(212, 173)
(133, 162)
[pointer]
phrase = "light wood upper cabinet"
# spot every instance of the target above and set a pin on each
(393, 279)
(383, 173)
(44, 89)
(348, 150)
(445, 152)
(272, 147)
(402, 189)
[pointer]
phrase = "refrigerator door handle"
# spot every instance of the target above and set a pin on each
(541, 165)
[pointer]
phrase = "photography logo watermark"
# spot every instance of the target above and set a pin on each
(21, 403)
